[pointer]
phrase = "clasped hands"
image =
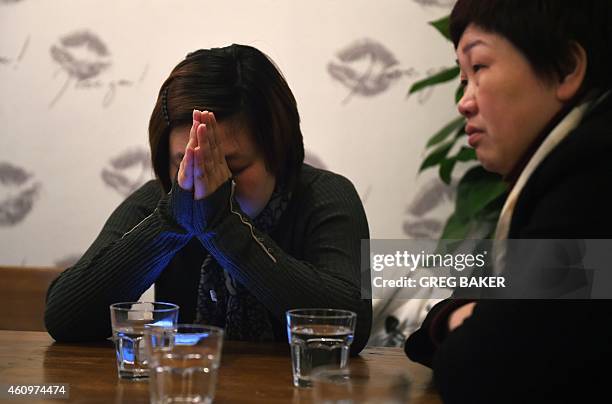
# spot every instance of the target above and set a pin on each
(203, 168)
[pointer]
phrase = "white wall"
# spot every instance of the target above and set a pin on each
(66, 143)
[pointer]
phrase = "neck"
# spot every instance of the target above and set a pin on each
(253, 200)
(514, 174)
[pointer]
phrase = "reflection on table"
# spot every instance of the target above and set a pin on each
(250, 372)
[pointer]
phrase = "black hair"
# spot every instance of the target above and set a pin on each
(241, 85)
(544, 30)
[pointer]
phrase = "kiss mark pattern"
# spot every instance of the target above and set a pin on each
(436, 3)
(21, 194)
(422, 222)
(126, 172)
(82, 55)
(379, 73)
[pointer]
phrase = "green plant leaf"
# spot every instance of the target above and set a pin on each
(460, 132)
(436, 156)
(476, 190)
(438, 78)
(446, 131)
(456, 227)
(443, 26)
(459, 93)
(446, 170)
(466, 154)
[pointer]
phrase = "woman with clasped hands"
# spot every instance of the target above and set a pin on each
(244, 232)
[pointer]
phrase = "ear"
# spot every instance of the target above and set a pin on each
(571, 82)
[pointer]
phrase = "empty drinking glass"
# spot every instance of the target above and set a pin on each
(128, 321)
(183, 363)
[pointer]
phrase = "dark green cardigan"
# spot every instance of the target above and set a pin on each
(316, 246)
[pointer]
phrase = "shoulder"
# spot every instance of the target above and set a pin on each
(316, 180)
(569, 194)
(143, 200)
(322, 195)
(586, 147)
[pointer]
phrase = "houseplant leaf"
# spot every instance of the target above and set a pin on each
(446, 131)
(476, 189)
(443, 26)
(436, 156)
(438, 78)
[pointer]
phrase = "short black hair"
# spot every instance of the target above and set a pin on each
(543, 30)
(241, 85)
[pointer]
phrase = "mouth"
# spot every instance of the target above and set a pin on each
(474, 134)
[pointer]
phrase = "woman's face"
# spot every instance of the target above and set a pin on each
(254, 183)
(505, 103)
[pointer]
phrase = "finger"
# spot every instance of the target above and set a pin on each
(215, 145)
(197, 115)
(193, 142)
(209, 163)
(185, 174)
(218, 154)
(204, 143)
(199, 180)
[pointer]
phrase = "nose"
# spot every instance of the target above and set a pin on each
(467, 104)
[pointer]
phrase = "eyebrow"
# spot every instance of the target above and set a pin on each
(468, 47)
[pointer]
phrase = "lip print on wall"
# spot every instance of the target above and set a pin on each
(81, 55)
(436, 3)
(20, 194)
(6, 60)
(366, 68)
(128, 171)
(422, 221)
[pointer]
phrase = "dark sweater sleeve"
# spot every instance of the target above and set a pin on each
(423, 343)
(135, 245)
(329, 273)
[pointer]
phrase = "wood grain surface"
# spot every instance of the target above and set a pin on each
(250, 372)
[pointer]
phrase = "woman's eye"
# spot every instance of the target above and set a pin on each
(476, 68)
(236, 172)
(463, 83)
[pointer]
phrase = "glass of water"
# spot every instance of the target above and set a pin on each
(183, 363)
(318, 337)
(128, 322)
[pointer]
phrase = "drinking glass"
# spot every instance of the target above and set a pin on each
(183, 363)
(128, 321)
(318, 337)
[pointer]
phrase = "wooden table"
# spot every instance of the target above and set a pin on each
(250, 372)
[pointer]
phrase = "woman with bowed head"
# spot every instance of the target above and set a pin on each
(235, 228)
(538, 109)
